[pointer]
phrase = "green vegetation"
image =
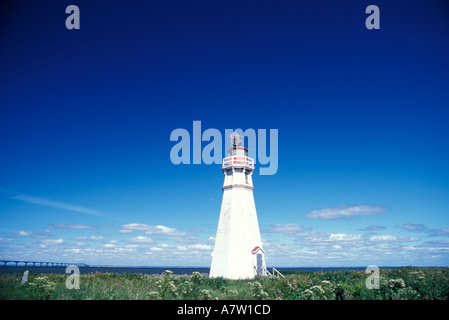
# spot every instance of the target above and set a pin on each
(408, 283)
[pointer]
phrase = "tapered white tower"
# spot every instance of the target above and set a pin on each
(238, 252)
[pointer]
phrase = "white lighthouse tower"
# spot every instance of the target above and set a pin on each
(238, 252)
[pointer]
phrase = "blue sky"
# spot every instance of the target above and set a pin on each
(86, 117)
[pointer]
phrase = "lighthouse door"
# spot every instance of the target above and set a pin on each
(259, 263)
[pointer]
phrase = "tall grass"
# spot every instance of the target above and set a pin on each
(395, 284)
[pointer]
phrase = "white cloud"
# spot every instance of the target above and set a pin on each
(344, 237)
(131, 227)
(384, 238)
(75, 250)
(345, 212)
(182, 251)
(111, 244)
(200, 247)
(51, 242)
(125, 231)
(189, 239)
(140, 239)
(289, 228)
(70, 226)
(37, 235)
(412, 227)
(392, 238)
(158, 230)
(164, 231)
(91, 238)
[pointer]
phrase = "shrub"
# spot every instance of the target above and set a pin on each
(395, 284)
(41, 288)
(406, 294)
(205, 294)
(166, 287)
(215, 283)
(257, 290)
(153, 295)
(196, 280)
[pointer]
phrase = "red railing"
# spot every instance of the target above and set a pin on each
(236, 160)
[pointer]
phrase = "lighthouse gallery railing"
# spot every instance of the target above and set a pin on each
(229, 161)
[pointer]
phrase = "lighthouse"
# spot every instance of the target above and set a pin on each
(238, 252)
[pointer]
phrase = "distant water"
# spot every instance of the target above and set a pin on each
(152, 270)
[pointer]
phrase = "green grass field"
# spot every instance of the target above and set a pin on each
(410, 283)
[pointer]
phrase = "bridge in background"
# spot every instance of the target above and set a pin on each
(15, 263)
